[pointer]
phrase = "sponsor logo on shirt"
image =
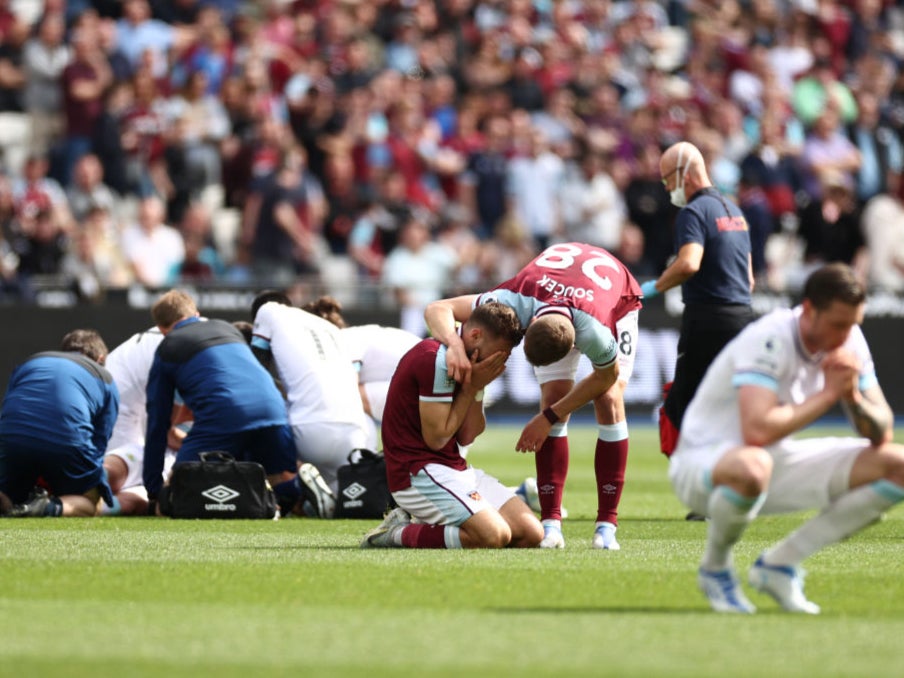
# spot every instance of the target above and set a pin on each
(731, 223)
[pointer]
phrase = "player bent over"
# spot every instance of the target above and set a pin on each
(427, 416)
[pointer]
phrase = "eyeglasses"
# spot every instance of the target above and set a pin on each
(665, 178)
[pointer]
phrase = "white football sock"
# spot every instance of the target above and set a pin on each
(729, 515)
(845, 516)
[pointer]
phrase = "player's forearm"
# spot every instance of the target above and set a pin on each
(783, 420)
(586, 390)
(474, 424)
(437, 435)
(440, 319)
(872, 420)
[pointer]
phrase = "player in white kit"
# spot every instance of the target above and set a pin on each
(325, 411)
(375, 352)
(130, 363)
(736, 457)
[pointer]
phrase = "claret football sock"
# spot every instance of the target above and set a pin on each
(610, 461)
(552, 469)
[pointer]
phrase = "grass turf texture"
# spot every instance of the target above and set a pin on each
(152, 597)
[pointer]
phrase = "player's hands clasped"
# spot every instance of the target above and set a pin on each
(842, 370)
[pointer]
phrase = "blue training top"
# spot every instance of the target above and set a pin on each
(719, 226)
(61, 399)
(220, 381)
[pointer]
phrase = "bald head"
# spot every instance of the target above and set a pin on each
(684, 160)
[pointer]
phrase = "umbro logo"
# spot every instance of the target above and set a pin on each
(220, 494)
(609, 488)
(354, 490)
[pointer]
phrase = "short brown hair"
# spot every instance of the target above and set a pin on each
(87, 342)
(327, 308)
(172, 307)
(834, 282)
(498, 320)
(548, 338)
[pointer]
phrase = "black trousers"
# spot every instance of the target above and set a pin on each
(705, 330)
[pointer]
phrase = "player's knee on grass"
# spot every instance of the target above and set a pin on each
(486, 529)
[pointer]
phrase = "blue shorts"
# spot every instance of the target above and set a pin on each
(64, 470)
(273, 447)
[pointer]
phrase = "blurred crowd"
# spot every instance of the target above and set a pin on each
(395, 151)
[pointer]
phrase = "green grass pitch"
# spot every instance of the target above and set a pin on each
(145, 597)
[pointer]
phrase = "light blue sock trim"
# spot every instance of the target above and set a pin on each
(452, 537)
(708, 480)
(559, 430)
(114, 510)
(612, 433)
(888, 490)
(745, 503)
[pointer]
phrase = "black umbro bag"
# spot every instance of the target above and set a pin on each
(363, 489)
(218, 486)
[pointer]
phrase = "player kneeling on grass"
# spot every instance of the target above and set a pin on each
(736, 458)
(427, 417)
(57, 417)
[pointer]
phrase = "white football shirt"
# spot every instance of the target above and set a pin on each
(317, 374)
(769, 353)
(129, 363)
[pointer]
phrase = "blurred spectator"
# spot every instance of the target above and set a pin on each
(522, 86)
(375, 232)
(533, 187)
(34, 191)
(883, 228)
(44, 59)
(14, 123)
(137, 33)
(630, 252)
(483, 184)
(202, 262)
(820, 90)
(283, 222)
(205, 124)
(342, 192)
(42, 245)
(417, 271)
(95, 261)
(150, 246)
(88, 190)
(510, 250)
(827, 149)
(650, 209)
(591, 205)
(84, 81)
(557, 120)
(880, 149)
(773, 166)
(830, 226)
(754, 203)
(456, 234)
(107, 139)
(143, 127)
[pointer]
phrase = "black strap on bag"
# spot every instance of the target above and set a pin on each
(218, 486)
(363, 488)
